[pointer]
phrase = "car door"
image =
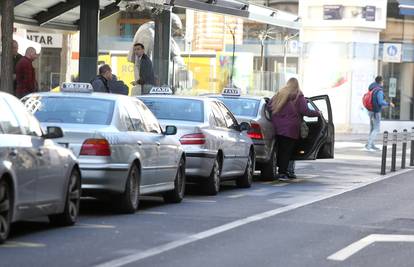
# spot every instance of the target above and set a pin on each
(167, 152)
(19, 154)
(50, 182)
(321, 138)
(235, 145)
(139, 141)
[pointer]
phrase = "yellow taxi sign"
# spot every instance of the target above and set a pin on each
(164, 90)
(76, 87)
(231, 92)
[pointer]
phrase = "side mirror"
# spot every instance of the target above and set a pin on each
(53, 132)
(244, 126)
(170, 130)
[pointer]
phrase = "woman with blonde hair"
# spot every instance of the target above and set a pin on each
(288, 107)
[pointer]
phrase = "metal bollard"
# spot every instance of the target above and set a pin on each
(384, 153)
(394, 150)
(404, 148)
(412, 148)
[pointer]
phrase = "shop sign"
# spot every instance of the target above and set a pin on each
(392, 52)
(332, 12)
(51, 40)
(369, 13)
(392, 88)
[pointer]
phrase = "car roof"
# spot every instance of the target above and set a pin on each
(202, 98)
(83, 95)
(237, 97)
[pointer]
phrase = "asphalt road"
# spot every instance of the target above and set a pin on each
(334, 204)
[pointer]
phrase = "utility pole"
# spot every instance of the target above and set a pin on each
(7, 17)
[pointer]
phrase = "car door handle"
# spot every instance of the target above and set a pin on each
(139, 143)
(13, 153)
(40, 152)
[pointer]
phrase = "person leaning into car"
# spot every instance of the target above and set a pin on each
(288, 107)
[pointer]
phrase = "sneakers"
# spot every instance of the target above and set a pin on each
(291, 175)
(282, 177)
(372, 148)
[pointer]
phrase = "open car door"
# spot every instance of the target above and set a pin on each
(321, 139)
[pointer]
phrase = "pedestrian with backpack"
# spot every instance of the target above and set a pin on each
(374, 101)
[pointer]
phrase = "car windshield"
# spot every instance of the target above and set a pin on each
(71, 109)
(242, 106)
(175, 108)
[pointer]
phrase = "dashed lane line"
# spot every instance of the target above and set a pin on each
(229, 226)
(236, 196)
(94, 226)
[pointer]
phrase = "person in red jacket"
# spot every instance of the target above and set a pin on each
(25, 74)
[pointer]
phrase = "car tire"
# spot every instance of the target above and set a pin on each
(5, 210)
(212, 185)
(269, 170)
(70, 214)
(129, 200)
(245, 181)
(177, 195)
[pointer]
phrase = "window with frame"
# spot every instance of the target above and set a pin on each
(135, 116)
(8, 122)
(220, 122)
(150, 120)
(126, 123)
(231, 122)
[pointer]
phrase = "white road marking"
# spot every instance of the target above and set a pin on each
(94, 226)
(12, 244)
(350, 250)
(236, 196)
(280, 184)
(229, 226)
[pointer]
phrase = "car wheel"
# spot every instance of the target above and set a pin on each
(177, 195)
(212, 185)
(245, 181)
(129, 199)
(269, 171)
(5, 210)
(70, 214)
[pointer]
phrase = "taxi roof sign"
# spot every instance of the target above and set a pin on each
(231, 92)
(76, 87)
(164, 90)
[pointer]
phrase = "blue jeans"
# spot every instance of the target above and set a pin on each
(374, 121)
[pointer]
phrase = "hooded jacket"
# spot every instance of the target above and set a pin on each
(378, 97)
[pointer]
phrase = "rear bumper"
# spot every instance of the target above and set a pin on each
(262, 154)
(104, 177)
(199, 163)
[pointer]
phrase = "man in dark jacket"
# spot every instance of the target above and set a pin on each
(25, 74)
(144, 72)
(375, 115)
(16, 58)
(100, 83)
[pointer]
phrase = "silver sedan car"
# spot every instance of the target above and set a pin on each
(37, 177)
(319, 143)
(121, 148)
(216, 145)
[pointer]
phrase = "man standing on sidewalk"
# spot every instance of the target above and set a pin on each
(378, 103)
(25, 74)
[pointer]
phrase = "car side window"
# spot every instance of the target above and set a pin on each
(8, 122)
(220, 122)
(231, 122)
(135, 116)
(150, 120)
(126, 123)
(28, 123)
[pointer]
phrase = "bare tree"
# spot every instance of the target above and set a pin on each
(7, 17)
(233, 35)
